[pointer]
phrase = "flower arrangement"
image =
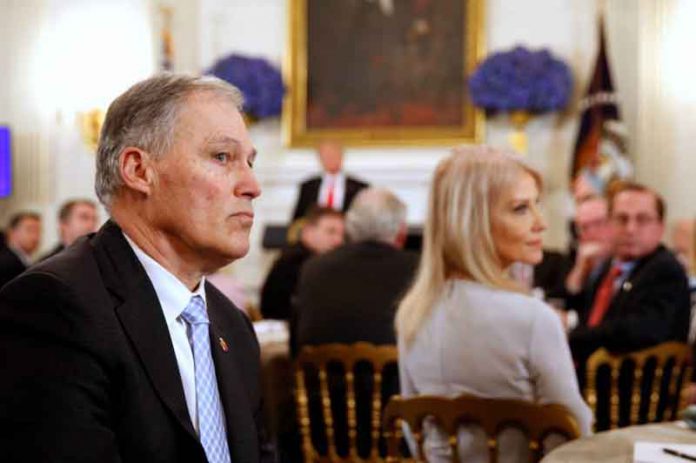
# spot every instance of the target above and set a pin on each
(259, 81)
(521, 80)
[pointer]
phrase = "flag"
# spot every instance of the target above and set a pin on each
(600, 154)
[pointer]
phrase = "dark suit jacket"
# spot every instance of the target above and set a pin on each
(551, 272)
(10, 264)
(350, 294)
(281, 282)
(652, 306)
(309, 195)
(55, 250)
(89, 372)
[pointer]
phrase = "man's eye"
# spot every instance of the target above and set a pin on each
(520, 208)
(222, 157)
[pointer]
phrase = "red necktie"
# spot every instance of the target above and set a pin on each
(603, 296)
(330, 195)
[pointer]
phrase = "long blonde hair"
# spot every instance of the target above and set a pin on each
(457, 238)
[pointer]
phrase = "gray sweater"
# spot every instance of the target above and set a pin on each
(496, 344)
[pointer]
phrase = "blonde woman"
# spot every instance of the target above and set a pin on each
(465, 327)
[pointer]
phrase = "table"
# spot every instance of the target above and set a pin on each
(274, 235)
(277, 384)
(276, 371)
(616, 446)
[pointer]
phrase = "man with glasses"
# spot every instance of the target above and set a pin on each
(640, 297)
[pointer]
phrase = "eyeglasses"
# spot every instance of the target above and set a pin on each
(641, 220)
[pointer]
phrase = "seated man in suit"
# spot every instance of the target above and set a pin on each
(23, 238)
(333, 189)
(322, 231)
(350, 294)
(640, 297)
(117, 350)
(591, 224)
(594, 241)
(76, 218)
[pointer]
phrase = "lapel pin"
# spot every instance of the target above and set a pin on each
(223, 344)
(627, 286)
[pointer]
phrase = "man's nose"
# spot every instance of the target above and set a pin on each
(631, 225)
(248, 185)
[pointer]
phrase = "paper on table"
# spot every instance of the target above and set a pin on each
(651, 452)
(271, 331)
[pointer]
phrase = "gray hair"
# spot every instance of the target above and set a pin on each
(376, 214)
(145, 117)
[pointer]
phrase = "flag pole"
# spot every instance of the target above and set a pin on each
(601, 8)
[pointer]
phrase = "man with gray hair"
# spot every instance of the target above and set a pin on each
(350, 294)
(117, 350)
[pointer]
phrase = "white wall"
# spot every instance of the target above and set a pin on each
(20, 107)
(54, 165)
(667, 103)
(568, 28)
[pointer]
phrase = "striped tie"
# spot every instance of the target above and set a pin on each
(211, 420)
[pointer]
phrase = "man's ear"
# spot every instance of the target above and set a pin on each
(137, 171)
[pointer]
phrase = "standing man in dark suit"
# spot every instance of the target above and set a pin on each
(117, 350)
(333, 189)
(76, 218)
(23, 238)
(350, 294)
(641, 296)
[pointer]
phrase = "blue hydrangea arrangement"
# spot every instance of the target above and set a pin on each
(260, 83)
(521, 79)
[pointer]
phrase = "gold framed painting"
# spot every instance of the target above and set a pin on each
(382, 72)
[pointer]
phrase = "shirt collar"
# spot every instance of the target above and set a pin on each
(173, 295)
(337, 177)
(625, 266)
(21, 254)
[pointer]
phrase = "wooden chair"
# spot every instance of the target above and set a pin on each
(493, 415)
(318, 358)
(665, 363)
(253, 312)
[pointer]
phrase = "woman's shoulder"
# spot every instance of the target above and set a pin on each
(515, 307)
(513, 299)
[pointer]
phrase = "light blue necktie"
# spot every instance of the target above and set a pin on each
(211, 420)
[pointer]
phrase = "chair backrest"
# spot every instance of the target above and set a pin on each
(492, 415)
(666, 361)
(348, 356)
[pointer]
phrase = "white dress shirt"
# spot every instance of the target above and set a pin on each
(173, 297)
(339, 182)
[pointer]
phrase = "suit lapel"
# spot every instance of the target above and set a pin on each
(143, 321)
(241, 427)
(313, 192)
(617, 302)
